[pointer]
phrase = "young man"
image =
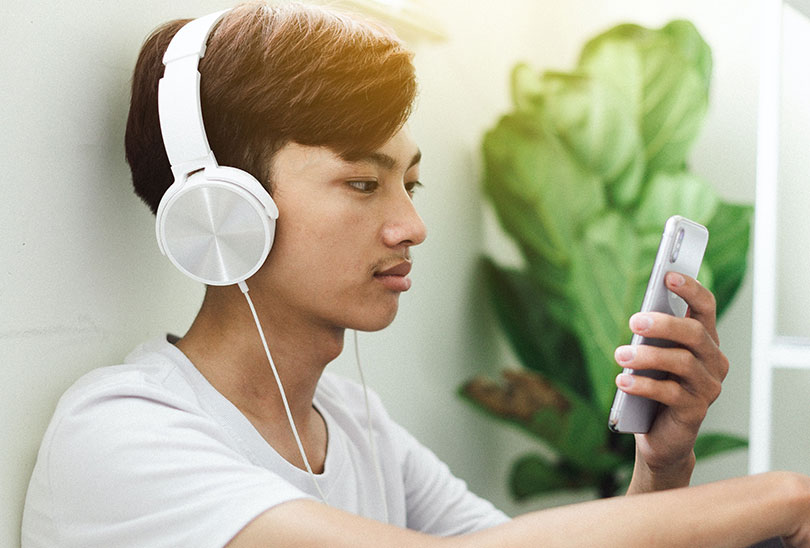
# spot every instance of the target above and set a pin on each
(189, 444)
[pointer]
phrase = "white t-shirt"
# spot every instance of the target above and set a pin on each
(150, 454)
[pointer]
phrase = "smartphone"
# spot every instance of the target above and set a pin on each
(682, 246)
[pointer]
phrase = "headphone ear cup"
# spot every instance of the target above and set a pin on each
(214, 230)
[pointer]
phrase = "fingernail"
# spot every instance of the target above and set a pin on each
(640, 322)
(625, 380)
(676, 279)
(625, 354)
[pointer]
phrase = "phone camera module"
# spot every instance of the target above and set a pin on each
(676, 249)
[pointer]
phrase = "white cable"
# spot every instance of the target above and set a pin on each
(377, 470)
(243, 286)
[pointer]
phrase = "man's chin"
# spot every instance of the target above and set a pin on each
(374, 322)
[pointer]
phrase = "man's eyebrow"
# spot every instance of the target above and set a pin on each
(388, 162)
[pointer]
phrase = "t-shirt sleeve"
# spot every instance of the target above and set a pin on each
(437, 502)
(138, 467)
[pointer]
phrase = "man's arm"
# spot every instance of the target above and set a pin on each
(736, 512)
(664, 456)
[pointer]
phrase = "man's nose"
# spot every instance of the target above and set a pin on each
(406, 228)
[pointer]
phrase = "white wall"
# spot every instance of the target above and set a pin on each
(83, 282)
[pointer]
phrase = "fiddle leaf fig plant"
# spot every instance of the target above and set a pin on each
(583, 173)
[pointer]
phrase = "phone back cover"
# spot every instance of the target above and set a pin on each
(634, 414)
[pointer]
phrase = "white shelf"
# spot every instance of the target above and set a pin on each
(790, 353)
(769, 352)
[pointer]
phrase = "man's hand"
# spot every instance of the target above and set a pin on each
(665, 455)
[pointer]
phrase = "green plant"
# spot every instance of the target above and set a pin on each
(583, 173)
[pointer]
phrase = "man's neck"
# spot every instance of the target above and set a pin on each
(225, 346)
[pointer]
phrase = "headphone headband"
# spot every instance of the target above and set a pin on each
(181, 121)
(215, 223)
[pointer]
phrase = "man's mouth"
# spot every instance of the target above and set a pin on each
(400, 269)
(395, 278)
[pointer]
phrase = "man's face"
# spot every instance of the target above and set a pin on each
(342, 250)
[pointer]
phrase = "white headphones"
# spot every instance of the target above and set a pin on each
(215, 223)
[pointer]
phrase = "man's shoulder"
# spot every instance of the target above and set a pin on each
(148, 373)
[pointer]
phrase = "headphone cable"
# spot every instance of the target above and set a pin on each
(377, 468)
(243, 286)
(372, 444)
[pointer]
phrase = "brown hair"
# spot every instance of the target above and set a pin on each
(271, 75)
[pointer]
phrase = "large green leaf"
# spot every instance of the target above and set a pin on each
(540, 193)
(596, 125)
(522, 312)
(563, 420)
(693, 49)
(665, 74)
(534, 474)
(527, 88)
(711, 444)
(607, 270)
(729, 234)
(678, 193)
(575, 436)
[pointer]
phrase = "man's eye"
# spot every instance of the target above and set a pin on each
(364, 186)
(412, 186)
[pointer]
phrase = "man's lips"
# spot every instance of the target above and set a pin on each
(401, 269)
(395, 278)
